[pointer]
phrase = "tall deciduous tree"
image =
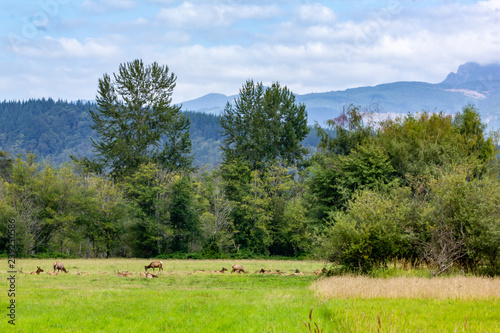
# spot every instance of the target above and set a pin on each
(136, 123)
(265, 125)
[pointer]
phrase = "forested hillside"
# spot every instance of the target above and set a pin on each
(57, 129)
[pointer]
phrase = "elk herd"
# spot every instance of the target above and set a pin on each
(236, 268)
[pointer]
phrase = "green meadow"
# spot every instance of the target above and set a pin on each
(183, 301)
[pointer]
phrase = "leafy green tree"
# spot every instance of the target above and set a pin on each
(421, 144)
(465, 218)
(103, 216)
(149, 189)
(335, 178)
(371, 231)
(183, 217)
(6, 163)
(136, 123)
(469, 125)
(265, 125)
(349, 130)
(215, 221)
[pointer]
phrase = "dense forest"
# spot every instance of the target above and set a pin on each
(423, 187)
(54, 130)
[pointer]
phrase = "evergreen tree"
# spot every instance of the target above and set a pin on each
(264, 126)
(135, 122)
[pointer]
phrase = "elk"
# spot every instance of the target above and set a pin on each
(38, 271)
(123, 274)
(237, 268)
(221, 271)
(153, 265)
(59, 266)
(49, 273)
(321, 271)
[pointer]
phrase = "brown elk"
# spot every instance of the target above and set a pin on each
(59, 266)
(237, 268)
(123, 274)
(321, 271)
(221, 271)
(38, 271)
(153, 265)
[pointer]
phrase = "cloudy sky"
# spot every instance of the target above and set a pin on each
(59, 48)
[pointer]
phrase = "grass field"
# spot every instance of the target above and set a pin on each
(181, 301)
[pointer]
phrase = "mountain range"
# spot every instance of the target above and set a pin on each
(472, 84)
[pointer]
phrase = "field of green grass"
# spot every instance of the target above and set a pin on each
(182, 301)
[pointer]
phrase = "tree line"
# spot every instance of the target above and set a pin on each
(421, 187)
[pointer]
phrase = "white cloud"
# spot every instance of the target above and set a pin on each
(104, 6)
(49, 47)
(316, 13)
(193, 16)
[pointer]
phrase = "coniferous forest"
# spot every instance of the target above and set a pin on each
(132, 175)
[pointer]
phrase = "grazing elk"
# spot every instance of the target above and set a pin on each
(153, 265)
(238, 269)
(59, 266)
(38, 271)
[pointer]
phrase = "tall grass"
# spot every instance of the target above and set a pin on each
(457, 287)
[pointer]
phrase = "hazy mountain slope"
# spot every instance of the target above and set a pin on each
(471, 84)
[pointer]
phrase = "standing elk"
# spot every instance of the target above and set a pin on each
(38, 271)
(153, 265)
(59, 266)
(238, 269)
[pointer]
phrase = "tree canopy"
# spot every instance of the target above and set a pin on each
(136, 123)
(263, 126)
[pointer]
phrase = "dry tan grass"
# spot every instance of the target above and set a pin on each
(407, 287)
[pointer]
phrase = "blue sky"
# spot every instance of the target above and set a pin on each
(59, 48)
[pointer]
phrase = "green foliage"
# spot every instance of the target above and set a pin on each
(371, 231)
(55, 209)
(264, 126)
(468, 124)
(149, 189)
(133, 117)
(46, 128)
(183, 218)
(469, 209)
(335, 179)
(349, 131)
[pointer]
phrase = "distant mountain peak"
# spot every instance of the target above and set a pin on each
(473, 72)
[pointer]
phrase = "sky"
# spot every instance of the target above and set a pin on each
(60, 48)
